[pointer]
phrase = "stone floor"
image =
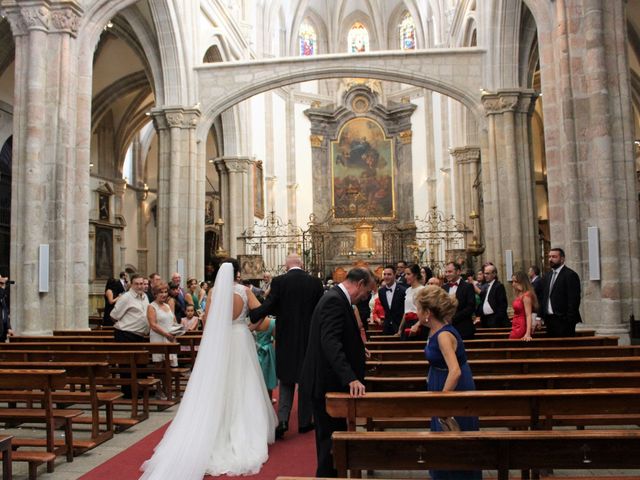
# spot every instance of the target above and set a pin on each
(91, 459)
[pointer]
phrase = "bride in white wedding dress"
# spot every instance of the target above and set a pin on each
(225, 419)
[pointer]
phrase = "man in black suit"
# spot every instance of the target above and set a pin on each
(400, 268)
(493, 301)
(466, 296)
(536, 281)
(560, 303)
(5, 321)
(391, 296)
(335, 360)
(292, 298)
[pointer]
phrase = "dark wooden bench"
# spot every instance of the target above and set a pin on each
(502, 343)
(170, 375)
(43, 382)
(532, 409)
(486, 450)
(87, 375)
(513, 366)
(123, 361)
(5, 454)
(498, 353)
(512, 382)
(482, 334)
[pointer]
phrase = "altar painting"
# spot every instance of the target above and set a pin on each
(362, 171)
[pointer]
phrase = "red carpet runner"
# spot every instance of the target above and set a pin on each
(295, 455)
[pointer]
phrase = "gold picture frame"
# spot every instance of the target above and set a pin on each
(362, 171)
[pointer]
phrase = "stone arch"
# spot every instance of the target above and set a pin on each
(315, 72)
(213, 110)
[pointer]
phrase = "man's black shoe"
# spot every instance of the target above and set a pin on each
(280, 429)
(307, 428)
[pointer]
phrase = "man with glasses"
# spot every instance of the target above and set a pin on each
(130, 319)
(335, 360)
(5, 321)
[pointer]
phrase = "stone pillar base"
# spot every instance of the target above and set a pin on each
(612, 331)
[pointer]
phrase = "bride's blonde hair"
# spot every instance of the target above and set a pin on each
(441, 305)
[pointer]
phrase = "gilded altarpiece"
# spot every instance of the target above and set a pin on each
(362, 176)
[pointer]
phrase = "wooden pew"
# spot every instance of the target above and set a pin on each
(482, 334)
(513, 366)
(618, 406)
(45, 382)
(502, 343)
(512, 382)
(5, 454)
(171, 376)
(87, 374)
(486, 450)
(522, 352)
(119, 362)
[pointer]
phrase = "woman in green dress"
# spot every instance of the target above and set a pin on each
(265, 339)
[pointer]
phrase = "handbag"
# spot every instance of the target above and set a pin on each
(448, 424)
(177, 329)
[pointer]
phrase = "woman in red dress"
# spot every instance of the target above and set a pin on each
(523, 306)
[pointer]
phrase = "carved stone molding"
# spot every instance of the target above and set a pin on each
(521, 101)
(236, 164)
(467, 154)
(41, 15)
(175, 117)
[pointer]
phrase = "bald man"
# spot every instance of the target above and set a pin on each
(292, 298)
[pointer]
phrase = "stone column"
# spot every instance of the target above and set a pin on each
(510, 210)
(320, 175)
(589, 153)
(46, 197)
(179, 209)
(143, 220)
(432, 174)
(225, 203)
(466, 160)
(292, 181)
(237, 188)
(119, 248)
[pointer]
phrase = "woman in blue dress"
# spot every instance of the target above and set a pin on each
(448, 367)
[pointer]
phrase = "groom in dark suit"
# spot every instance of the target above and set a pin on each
(391, 296)
(292, 298)
(466, 296)
(560, 303)
(335, 360)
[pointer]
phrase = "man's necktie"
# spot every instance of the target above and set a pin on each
(553, 280)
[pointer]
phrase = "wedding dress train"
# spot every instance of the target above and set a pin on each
(225, 419)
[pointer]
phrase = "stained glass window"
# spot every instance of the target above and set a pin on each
(358, 38)
(407, 33)
(308, 39)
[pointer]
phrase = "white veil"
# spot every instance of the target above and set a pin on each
(186, 446)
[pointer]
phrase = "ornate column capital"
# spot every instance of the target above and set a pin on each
(43, 15)
(521, 101)
(466, 154)
(233, 164)
(175, 117)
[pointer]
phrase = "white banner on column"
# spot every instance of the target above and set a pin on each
(508, 264)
